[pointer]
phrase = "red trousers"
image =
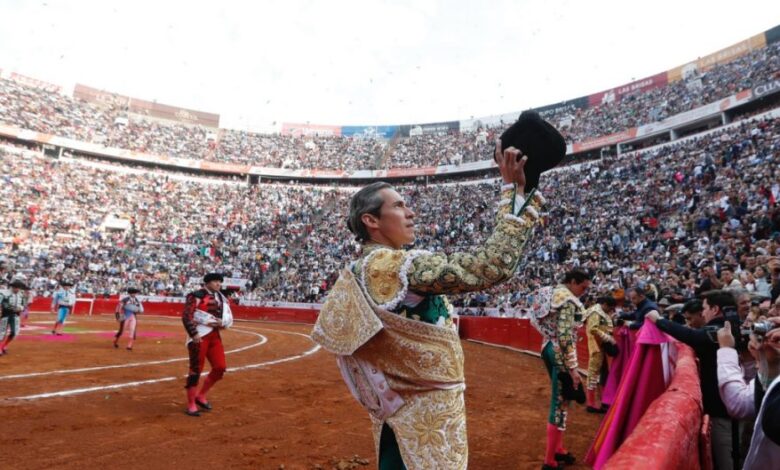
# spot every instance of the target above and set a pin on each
(210, 347)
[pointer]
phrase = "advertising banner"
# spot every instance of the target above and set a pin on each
(35, 83)
(721, 57)
(615, 94)
(321, 173)
(143, 107)
(93, 95)
(772, 35)
(297, 129)
(465, 167)
(432, 128)
(224, 167)
(765, 89)
(568, 106)
(373, 132)
(496, 120)
(605, 141)
(399, 172)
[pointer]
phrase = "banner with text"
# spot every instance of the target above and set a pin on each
(432, 128)
(564, 107)
(615, 94)
(297, 129)
(605, 141)
(147, 108)
(35, 83)
(372, 132)
(716, 58)
(765, 89)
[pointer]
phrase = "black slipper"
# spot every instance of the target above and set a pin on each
(566, 458)
(203, 404)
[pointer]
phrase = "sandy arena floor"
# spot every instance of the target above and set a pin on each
(76, 402)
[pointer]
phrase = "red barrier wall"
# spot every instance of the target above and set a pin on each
(668, 434)
(107, 306)
(513, 332)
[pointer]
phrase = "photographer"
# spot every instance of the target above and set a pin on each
(705, 345)
(743, 400)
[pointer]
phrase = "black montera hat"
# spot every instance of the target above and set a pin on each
(539, 141)
(18, 283)
(212, 277)
(66, 283)
(133, 290)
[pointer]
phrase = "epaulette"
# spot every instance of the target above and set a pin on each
(200, 293)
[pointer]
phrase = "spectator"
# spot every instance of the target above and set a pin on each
(705, 346)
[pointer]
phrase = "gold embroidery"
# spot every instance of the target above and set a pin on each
(491, 264)
(381, 275)
(431, 430)
(411, 353)
(346, 320)
(598, 327)
(561, 295)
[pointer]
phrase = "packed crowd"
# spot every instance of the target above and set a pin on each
(697, 89)
(112, 125)
(112, 228)
(657, 216)
(665, 217)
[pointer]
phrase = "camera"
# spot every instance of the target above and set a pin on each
(741, 336)
(761, 328)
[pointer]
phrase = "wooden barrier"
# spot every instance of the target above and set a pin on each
(668, 435)
(102, 306)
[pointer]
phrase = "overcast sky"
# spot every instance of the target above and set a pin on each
(364, 61)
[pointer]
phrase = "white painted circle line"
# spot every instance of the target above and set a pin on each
(79, 391)
(262, 341)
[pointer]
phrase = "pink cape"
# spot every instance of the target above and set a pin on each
(644, 380)
(625, 343)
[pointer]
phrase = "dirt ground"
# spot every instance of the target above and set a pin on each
(63, 405)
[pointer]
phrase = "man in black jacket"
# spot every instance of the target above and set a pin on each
(643, 306)
(705, 345)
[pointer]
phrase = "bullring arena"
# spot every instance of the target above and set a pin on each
(662, 190)
(76, 402)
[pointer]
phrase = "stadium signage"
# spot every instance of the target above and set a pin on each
(185, 115)
(432, 128)
(605, 141)
(146, 108)
(616, 94)
(298, 130)
(766, 89)
(35, 83)
(551, 110)
(371, 132)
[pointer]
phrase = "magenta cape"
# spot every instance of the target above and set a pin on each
(644, 380)
(619, 366)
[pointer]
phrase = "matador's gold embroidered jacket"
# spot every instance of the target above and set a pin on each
(598, 327)
(409, 374)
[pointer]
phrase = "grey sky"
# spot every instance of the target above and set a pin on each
(364, 61)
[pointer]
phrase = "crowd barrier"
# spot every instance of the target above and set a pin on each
(671, 434)
(514, 333)
(102, 306)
